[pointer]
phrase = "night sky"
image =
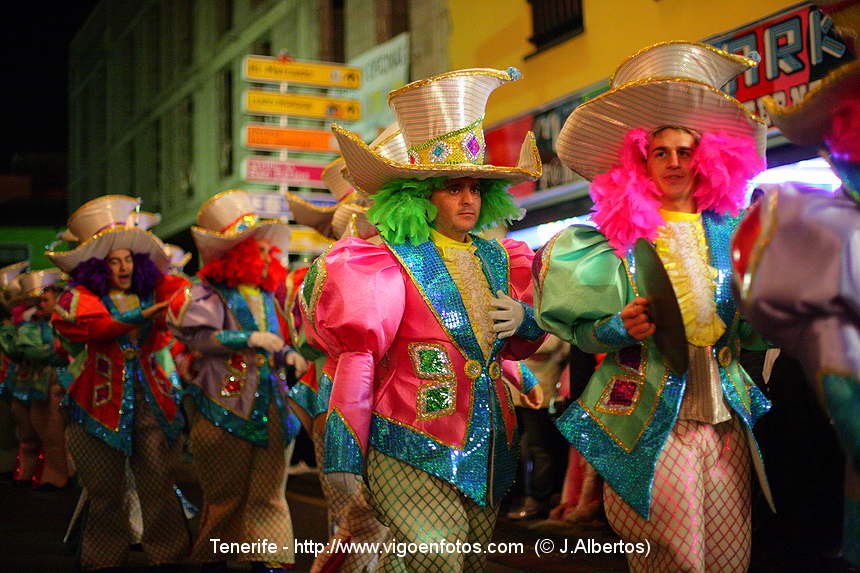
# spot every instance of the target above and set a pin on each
(35, 42)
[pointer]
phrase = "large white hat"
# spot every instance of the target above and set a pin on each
(441, 120)
(143, 219)
(227, 219)
(349, 216)
(9, 285)
(34, 282)
(177, 255)
(667, 84)
(102, 225)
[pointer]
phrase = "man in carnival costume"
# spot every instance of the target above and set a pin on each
(350, 516)
(669, 156)
(419, 405)
(240, 422)
(124, 400)
(796, 260)
(40, 354)
(24, 466)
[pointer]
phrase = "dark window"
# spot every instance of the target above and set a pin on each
(331, 14)
(554, 21)
(225, 155)
(224, 16)
(392, 18)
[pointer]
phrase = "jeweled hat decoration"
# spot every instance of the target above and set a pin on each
(441, 121)
(667, 84)
(102, 227)
(227, 219)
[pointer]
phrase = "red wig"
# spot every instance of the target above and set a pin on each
(243, 265)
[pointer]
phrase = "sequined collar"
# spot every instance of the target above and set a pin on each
(235, 301)
(431, 277)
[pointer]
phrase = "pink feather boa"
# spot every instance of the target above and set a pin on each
(626, 204)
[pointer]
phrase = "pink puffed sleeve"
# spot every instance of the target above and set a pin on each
(352, 300)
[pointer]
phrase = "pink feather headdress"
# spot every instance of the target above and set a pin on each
(626, 204)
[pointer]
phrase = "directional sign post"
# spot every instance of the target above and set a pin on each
(281, 103)
(320, 107)
(263, 69)
(293, 172)
(264, 136)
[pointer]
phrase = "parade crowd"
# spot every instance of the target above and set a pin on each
(436, 364)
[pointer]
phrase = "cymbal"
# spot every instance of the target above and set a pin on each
(654, 284)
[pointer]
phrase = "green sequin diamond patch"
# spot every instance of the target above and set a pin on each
(430, 360)
(437, 399)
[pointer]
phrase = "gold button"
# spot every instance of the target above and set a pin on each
(725, 356)
(495, 371)
(472, 369)
(261, 360)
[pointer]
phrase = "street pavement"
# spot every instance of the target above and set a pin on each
(32, 525)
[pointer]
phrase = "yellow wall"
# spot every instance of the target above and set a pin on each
(494, 33)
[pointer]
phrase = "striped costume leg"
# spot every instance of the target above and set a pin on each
(702, 472)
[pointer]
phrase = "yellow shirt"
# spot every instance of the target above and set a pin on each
(683, 249)
(255, 303)
(468, 273)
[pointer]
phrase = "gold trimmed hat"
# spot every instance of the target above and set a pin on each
(808, 121)
(670, 83)
(33, 283)
(177, 256)
(441, 121)
(143, 219)
(227, 219)
(104, 223)
(9, 285)
(349, 216)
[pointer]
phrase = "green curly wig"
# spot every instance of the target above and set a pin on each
(402, 210)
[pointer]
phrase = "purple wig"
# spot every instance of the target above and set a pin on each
(94, 273)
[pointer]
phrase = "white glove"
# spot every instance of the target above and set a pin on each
(27, 315)
(298, 362)
(508, 316)
(266, 341)
(345, 482)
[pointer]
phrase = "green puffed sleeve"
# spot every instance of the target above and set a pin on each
(581, 285)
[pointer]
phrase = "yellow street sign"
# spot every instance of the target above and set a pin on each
(274, 70)
(320, 107)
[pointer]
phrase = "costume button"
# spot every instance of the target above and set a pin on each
(725, 356)
(472, 369)
(260, 360)
(495, 371)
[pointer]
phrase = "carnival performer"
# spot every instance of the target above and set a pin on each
(669, 157)
(240, 421)
(40, 357)
(796, 257)
(124, 400)
(417, 325)
(14, 405)
(350, 516)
